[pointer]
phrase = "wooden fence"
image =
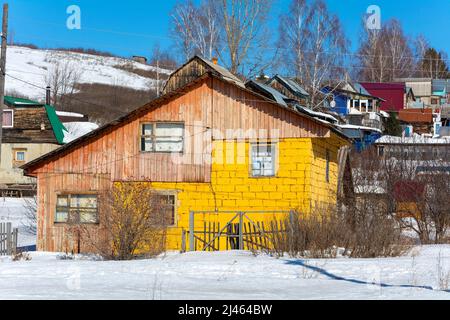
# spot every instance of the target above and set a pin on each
(8, 239)
(239, 233)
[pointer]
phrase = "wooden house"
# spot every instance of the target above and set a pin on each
(209, 143)
(30, 130)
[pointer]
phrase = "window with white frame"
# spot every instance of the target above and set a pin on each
(76, 209)
(162, 137)
(263, 160)
(8, 118)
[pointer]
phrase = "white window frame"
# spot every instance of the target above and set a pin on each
(12, 118)
(273, 156)
(153, 137)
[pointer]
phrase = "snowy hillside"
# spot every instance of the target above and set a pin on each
(34, 65)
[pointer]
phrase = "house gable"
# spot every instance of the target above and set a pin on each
(207, 103)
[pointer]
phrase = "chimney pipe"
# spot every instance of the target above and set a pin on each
(47, 95)
(215, 60)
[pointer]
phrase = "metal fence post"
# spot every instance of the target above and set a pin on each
(183, 241)
(241, 225)
(191, 231)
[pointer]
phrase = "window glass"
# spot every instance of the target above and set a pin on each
(7, 118)
(162, 137)
(166, 203)
(20, 156)
(263, 160)
(76, 208)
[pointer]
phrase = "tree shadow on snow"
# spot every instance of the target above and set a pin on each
(332, 276)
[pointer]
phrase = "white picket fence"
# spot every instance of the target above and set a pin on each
(8, 239)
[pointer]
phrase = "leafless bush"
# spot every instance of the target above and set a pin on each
(30, 212)
(21, 256)
(411, 184)
(134, 223)
(359, 234)
(443, 274)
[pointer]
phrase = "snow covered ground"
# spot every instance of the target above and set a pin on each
(33, 65)
(14, 210)
(228, 275)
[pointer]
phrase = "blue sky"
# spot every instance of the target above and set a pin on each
(134, 26)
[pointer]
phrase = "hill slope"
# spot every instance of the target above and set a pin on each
(35, 65)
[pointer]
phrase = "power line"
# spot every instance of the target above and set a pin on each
(272, 48)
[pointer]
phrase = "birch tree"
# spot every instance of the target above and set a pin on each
(384, 54)
(196, 29)
(313, 42)
(245, 35)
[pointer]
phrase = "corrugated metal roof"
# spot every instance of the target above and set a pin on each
(291, 84)
(360, 89)
(223, 72)
(276, 95)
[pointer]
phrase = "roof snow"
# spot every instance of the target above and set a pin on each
(415, 139)
(34, 65)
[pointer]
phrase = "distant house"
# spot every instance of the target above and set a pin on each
(421, 120)
(290, 88)
(395, 95)
(361, 111)
(211, 143)
(30, 130)
(429, 93)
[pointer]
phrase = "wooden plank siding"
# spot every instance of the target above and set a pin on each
(211, 104)
(114, 153)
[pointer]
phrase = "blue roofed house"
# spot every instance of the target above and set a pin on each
(361, 110)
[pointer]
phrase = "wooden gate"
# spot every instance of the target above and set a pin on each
(239, 231)
(8, 239)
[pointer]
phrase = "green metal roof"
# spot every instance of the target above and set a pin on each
(20, 101)
(57, 126)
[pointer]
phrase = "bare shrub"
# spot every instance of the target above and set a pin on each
(443, 274)
(358, 234)
(21, 256)
(134, 223)
(30, 212)
(409, 183)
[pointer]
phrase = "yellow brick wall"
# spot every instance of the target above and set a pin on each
(299, 182)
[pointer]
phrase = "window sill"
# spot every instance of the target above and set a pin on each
(76, 224)
(164, 152)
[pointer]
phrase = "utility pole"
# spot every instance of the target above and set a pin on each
(3, 70)
(157, 78)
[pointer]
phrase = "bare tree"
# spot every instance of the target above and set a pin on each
(313, 42)
(196, 28)
(245, 34)
(385, 54)
(62, 78)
